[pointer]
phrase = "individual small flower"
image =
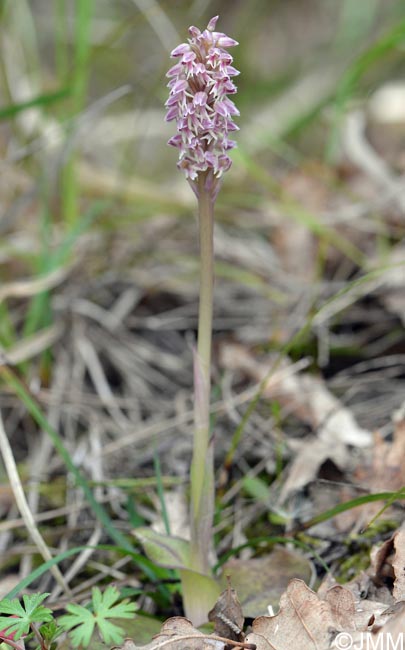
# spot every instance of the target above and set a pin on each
(200, 83)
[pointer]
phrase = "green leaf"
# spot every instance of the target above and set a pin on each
(165, 551)
(257, 488)
(31, 611)
(50, 631)
(146, 565)
(41, 100)
(200, 594)
(106, 604)
(80, 622)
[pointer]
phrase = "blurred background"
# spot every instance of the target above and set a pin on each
(98, 248)
(98, 251)
(94, 73)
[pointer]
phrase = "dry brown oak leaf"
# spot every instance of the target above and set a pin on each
(178, 633)
(227, 616)
(307, 622)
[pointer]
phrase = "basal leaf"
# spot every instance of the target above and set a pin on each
(202, 592)
(165, 551)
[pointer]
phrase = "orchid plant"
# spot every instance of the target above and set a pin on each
(200, 82)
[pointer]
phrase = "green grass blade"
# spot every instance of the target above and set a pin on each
(301, 334)
(257, 542)
(347, 87)
(147, 566)
(23, 393)
(296, 212)
(36, 102)
(353, 503)
(43, 568)
(123, 545)
(83, 224)
(79, 81)
(61, 43)
(7, 330)
(391, 500)
(39, 312)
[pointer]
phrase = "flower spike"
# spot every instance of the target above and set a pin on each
(200, 83)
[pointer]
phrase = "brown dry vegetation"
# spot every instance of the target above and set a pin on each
(99, 289)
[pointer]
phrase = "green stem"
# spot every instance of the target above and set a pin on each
(206, 232)
(202, 470)
(200, 590)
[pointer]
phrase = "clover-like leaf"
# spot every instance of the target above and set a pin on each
(19, 616)
(81, 622)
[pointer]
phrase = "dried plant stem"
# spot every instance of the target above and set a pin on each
(202, 471)
(13, 644)
(16, 486)
(210, 637)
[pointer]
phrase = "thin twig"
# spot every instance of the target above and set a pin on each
(182, 637)
(16, 486)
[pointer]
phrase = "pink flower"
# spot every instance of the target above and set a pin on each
(199, 84)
